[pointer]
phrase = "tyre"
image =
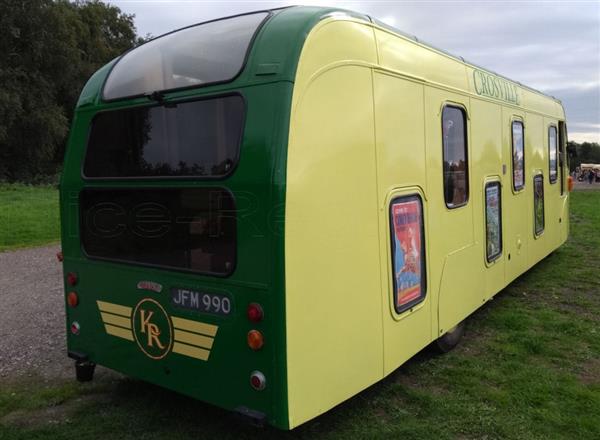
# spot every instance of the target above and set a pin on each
(450, 339)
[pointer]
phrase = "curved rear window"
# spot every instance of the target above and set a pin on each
(186, 139)
(206, 53)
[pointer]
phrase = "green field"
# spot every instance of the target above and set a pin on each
(28, 216)
(528, 368)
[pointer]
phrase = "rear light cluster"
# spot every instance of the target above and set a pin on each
(72, 279)
(570, 183)
(256, 340)
(75, 327)
(255, 312)
(258, 380)
(73, 299)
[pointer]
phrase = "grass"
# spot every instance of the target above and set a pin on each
(28, 216)
(528, 368)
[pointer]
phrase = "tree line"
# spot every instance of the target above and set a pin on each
(586, 152)
(48, 50)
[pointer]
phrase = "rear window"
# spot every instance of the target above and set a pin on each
(191, 229)
(193, 139)
(207, 53)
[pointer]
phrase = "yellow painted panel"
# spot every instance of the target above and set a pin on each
(114, 308)
(400, 133)
(194, 326)
(451, 231)
(405, 334)
(400, 145)
(118, 332)
(120, 321)
(193, 339)
(486, 165)
(410, 58)
(516, 205)
(342, 333)
(331, 42)
(188, 350)
(553, 198)
(333, 300)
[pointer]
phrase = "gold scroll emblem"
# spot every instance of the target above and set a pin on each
(155, 332)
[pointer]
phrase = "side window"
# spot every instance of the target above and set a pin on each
(552, 154)
(456, 175)
(538, 203)
(493, 221)
(518, 155)
(408, 251)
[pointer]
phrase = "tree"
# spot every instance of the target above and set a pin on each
(48, 50)
(586, 152)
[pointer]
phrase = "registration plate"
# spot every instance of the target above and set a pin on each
(198, 301)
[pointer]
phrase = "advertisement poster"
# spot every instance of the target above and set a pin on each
(518, 164)
(538, 203)
(406, 217)
(492, 214)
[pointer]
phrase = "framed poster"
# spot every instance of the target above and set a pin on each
(538, 203)
(408, 251)
(518, 160)
(493, 221)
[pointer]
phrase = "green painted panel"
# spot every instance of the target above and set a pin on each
(258, 185)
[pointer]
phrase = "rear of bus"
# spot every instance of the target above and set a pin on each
(171, 204)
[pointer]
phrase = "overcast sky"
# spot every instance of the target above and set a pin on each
(552, 46)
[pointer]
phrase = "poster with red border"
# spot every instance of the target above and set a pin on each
(407, 218)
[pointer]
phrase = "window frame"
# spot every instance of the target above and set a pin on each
(170, 178)
(512, 150)
(464, 113)
(553, 181)
(537, 233)
(564, 157)
(423, 266)
(140, 264)
(491, 258)
(269, 14)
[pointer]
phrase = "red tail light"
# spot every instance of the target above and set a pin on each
(255, 312)
(72, 299)
(75, 327)
(258, 380)
(72, 278)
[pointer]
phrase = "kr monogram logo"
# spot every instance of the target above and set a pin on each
(152, 329)
(156, 333)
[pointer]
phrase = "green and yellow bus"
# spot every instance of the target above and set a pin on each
(273, 211)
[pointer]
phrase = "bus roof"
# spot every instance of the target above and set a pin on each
(276, 48)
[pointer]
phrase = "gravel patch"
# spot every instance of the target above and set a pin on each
(32, 316)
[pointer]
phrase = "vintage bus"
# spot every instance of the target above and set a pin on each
(273, 211)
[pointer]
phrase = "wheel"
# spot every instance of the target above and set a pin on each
(450, 339)
(84, 371)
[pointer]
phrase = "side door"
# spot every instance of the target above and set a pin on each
(516, 202)
(406, 298)
(453, 250)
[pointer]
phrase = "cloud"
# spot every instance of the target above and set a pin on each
(551, 46)
(585, 136)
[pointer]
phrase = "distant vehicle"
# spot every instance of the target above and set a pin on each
(273, 211)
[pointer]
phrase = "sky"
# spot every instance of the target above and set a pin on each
(553, 46)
